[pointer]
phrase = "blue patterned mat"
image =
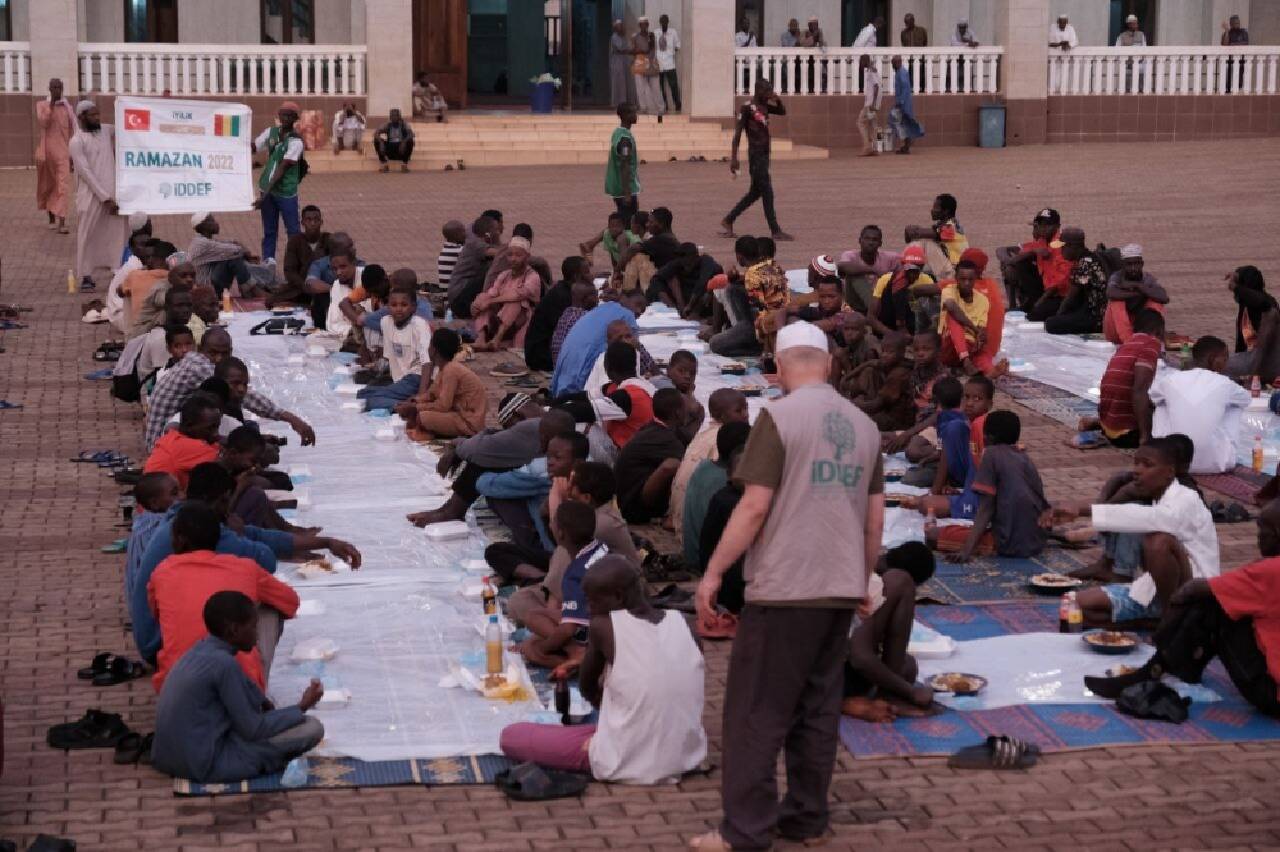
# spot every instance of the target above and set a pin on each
(1054, 403)
(328, 773)
(997, 578)
(1054, 727)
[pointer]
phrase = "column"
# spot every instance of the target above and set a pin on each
(1021, 29)
(708, 42)
(52, 28)
(389, 63)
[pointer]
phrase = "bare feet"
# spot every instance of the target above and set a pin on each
(384, 168)
(480, 346)
(868, 709)
(782, 237)
(454, 510)
(1001, 367)
(726, 229)
(1099, 570)
(870, 152)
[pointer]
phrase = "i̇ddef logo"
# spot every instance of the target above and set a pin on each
(137, 119)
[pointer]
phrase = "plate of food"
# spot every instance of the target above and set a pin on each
(753, 388)
(1053, 584)
(1111, 641)
(957, 683)
(1120, 670)
(733, 368)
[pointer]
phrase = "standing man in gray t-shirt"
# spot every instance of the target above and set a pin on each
(809, 522)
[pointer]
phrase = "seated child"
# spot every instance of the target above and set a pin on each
(155, 351)
(920, 441)
(708, 478)
(725, 405)
(648, 463)
(527, 556)
(882, 387)
(154, 493)
(643, 668)
(627, 404)
(142, 312)
(906, 298)
(955, 468)
(181, 584)
(178, 341)
(1124, 404)
(733, 586)
(880, 676)
(829, 313)
(1179, 540)
(582, 299)
(1122, 552)
(455, 234)
(615, 238)
(406, 338)
(194, 442)
(963, 324)
(682, 374)
(455, 404)
(210, 723)
(1011, 500)
(242, 456)
(561, 637)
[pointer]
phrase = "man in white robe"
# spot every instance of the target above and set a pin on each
(100, 230)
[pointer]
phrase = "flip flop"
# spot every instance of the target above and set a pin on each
(99, 375)
(998, 752)
(96, 667)
(529, 782)
(120, 670)
(1087, 440)
(120, 545)
(507, 370)
(88, 456)
(11, 325)
(6, 404)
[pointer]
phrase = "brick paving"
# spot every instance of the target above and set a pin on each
(61, 599)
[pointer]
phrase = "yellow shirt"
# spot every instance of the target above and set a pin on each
(953, 239)
(882, 283)
(975, 310)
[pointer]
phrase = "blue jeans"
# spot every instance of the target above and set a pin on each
(1125, 550)
(222, 273)
(386, 396)
(276, 207)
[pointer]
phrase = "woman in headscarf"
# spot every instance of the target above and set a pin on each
(644, 70)
(1254, 302)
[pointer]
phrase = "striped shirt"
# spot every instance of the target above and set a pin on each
(179, 383)
(1115, 400)
(446, 261)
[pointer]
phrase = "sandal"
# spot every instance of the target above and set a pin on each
(120, 670)
(129, 749)
(6, 405)
(529, 782)
(507, 370)
(94, 729)
(120, 545)
(96, 667)
(99, 375)
(1087, 440)
(724, 625)
(1002, 752)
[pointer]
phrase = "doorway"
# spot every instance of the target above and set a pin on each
(511, 42)
(856, 14)
(1122, 9)
(151, 21)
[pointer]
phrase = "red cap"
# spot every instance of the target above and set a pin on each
(977, 257)
(913, 256)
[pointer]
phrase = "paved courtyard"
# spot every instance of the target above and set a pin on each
(1199, 209)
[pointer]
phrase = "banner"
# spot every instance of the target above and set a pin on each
(183, 156)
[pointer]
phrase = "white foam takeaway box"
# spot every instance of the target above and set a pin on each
(448, 531)
(347, 389)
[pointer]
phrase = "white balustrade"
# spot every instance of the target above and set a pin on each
(1175, 70)
(15, 67)
(216, 69)
(834, 71)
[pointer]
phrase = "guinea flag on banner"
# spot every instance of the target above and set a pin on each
(226, 125)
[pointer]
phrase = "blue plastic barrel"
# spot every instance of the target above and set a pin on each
(543, 97)
(991, 126)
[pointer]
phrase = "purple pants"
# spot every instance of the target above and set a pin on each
(553, 746)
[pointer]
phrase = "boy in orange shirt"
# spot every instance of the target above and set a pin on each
(183, 582)
(194, 442)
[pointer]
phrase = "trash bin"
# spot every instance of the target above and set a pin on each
(543, 96)
(991, 126)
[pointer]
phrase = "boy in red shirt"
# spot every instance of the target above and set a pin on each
(194, 442)
(178, 589)
(1235, 616)
(1124, 402)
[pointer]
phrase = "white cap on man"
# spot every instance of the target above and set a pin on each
(1132, 19)
(197, 219)
(1130, 251)
(800, 334)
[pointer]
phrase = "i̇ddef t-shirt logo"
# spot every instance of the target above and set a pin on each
(836, 471)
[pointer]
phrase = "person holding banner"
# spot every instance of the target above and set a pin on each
(278, 185)
(57, 122)
(100, 231)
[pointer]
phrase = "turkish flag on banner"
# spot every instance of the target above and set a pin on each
(137, 119)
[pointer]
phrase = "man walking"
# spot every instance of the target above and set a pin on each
(813, 486)
(394, 142)
(57, 122)
(100, 230)
(870, 105)
(278, 185)
(753, 119)
(668, 44)
(621, 176)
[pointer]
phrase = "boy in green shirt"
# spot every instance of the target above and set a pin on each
(278, 185)
(621, 176)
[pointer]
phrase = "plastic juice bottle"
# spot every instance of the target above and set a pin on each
(1064, 613)
(1186, 356)
(71, 281)
(1075, 620)
(563, 700)
(493, 647)
(1255, 387)
(489, 598)
(1257, 454)
(226, 300)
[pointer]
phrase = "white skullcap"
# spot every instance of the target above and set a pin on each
(963, 22)
(800, 334)
(197, 218)
(138, 221)
(823, 264)
(1131, 250)
(84, 106)
(520, 243)
(1133, 18)
(642, 20)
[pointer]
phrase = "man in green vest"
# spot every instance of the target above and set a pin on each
(621, 177)
(278, 185)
